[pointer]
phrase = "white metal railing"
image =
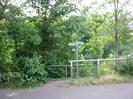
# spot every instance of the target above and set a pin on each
(93, 60)
(90, 60)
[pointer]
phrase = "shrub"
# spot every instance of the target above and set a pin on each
(104, 70)
(32, 70)
(7, 76)
(56, 72)
(125, 67)
(87, 70)
(50, 59)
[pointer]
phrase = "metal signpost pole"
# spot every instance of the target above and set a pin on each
(77, 46)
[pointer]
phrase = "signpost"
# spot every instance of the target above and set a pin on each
(76, 45)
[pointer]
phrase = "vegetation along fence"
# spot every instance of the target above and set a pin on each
(97, 67)
(91, 67)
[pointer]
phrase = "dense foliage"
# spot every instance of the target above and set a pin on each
(125, 67)
(30, 44)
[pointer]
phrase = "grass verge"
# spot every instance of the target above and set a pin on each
(107, 79)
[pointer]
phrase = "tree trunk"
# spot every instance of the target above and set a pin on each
(116, 43)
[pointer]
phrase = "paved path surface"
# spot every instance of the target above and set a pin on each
(55, 90)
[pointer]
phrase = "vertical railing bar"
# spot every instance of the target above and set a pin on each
(98, 62)
(71, 65)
